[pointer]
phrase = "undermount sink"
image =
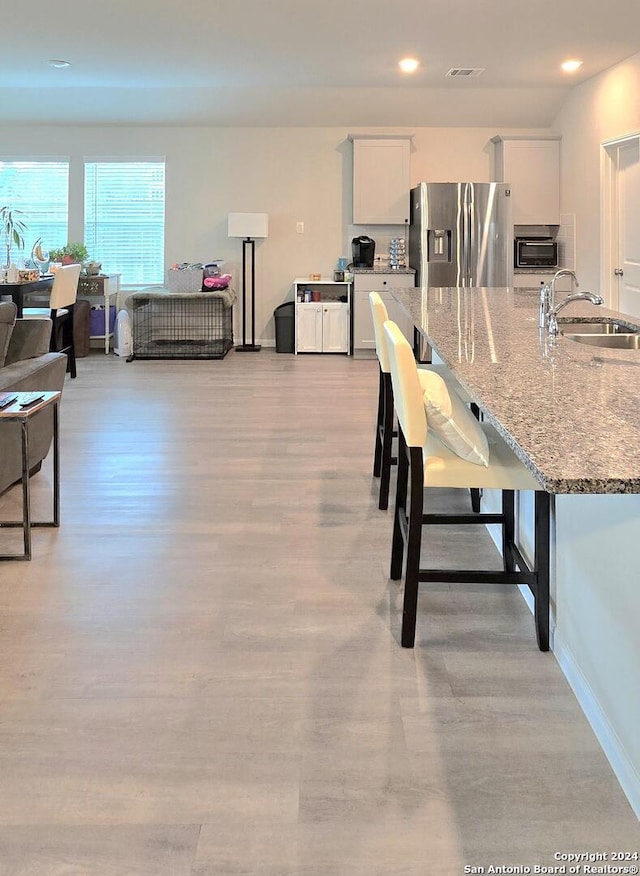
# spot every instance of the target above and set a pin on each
(612, 341)
(609, 333)
(605, 327)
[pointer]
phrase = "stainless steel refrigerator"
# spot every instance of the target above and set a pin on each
(461, 234)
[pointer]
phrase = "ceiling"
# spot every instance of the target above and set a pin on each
(293, 62)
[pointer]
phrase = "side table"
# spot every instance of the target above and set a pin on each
(17, 414)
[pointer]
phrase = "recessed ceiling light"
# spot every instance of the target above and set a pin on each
(571, 66)
(58, 62)
(408, 65)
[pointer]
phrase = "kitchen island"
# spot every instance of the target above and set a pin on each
(571, 412)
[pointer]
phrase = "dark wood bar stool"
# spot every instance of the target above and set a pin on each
(425, 462)
(383, 459)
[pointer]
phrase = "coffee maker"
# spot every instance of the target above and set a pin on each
(363, 250)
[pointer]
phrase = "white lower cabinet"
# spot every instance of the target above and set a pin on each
(322, 326)
(363, 334)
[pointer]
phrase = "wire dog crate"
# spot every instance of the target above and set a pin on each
(180, 326)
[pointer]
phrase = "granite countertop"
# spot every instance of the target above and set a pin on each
(382, 270)
(570, 411)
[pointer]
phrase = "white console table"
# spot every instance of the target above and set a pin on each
(106, 287)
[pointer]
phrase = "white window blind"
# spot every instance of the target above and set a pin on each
(40, 190)
(124, 218)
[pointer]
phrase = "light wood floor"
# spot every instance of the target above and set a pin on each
(200, 671)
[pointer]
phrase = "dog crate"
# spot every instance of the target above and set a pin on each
(181, 326)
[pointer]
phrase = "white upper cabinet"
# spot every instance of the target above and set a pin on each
(381, 179)
(532, 168)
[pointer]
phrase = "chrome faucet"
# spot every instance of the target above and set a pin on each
(548, 294)
(552, 322)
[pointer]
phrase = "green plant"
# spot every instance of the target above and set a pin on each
(75, 252)
(13, 229)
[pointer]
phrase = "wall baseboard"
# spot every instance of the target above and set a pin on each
(605, 734)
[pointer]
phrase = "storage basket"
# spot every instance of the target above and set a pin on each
(184, 279)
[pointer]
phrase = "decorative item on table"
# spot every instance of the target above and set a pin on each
(213, 268)
(92, 269)
(40, 257)
(12, 229)
(28, 275)
(70, 254)
(221, 281)
(397, 253)
(315, 277)
(185, 277)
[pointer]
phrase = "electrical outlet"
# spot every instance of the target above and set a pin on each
(300, 227)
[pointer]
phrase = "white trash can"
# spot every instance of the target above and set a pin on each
(123, 341)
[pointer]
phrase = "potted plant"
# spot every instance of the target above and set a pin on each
(13, 230)
(70, 254)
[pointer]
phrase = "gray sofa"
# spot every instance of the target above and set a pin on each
(26, 365)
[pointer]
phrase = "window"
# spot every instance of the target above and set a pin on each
(39, 189)
(124, 218)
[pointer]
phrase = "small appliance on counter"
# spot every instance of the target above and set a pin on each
(363, 250)
(537, 252)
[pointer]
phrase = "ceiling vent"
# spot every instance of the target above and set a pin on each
(466, 71)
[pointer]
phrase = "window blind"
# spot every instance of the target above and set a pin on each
(124, 218)
(40, 190)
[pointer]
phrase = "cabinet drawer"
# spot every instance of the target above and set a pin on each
(380, 281)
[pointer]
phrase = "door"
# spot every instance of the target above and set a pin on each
(335, 328)
(309, 328)
(436, 235)
(490, 230)
(620, 252)
(628, 190)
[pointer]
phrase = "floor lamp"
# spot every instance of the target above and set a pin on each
(248, 226)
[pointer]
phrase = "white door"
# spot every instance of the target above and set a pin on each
(309, 328)
(335, 328)
(628, 189)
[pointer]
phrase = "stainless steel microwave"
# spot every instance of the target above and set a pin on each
(536, 253)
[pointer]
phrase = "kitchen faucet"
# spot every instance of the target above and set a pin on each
(548, 294)
(552, 322)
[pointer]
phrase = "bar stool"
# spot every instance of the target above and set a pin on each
(425, 462)
(385, 432)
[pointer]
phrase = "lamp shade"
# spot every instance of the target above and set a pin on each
(248, 225)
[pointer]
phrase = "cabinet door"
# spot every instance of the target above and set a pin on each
(309, 328)
(335, 328)
(381, 181)
(532, 168)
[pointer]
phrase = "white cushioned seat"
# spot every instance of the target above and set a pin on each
(425, 462)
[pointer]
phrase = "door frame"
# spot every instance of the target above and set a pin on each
(609, 210)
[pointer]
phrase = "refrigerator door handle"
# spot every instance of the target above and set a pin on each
(471, 235)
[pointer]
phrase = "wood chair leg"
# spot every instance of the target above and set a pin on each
(414, 543)
(542, 566)
(377, 455)
(397, 539)
(508, 530)
(387, 441)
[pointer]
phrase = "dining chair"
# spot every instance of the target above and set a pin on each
(60, 310)
(383, 458)
(426, 460)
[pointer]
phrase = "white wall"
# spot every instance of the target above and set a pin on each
(597, 596)
(602, 108)
(293, 174)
